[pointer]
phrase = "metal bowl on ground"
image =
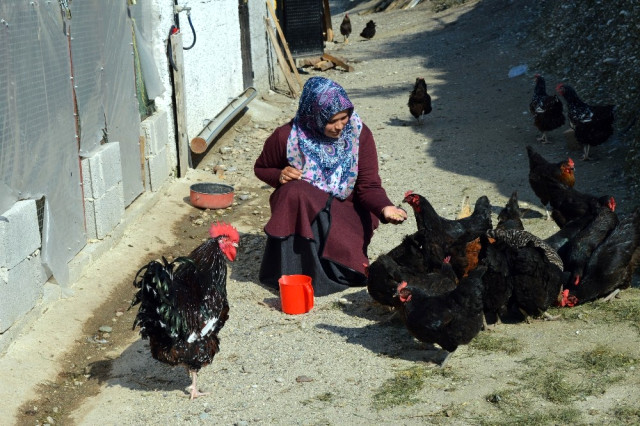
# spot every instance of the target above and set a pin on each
(208, 195)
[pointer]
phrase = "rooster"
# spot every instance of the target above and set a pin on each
(450, 319)
(544, 174)
(593, 124)
(610, 266)
(546, 109)
(183, 304)
(419, 100)
(345, 28)
(369, 30)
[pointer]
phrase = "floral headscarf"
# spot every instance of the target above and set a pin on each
(327, 163)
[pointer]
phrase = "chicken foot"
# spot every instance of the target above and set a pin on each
(613, 294)
(193, 388)
(585, 155)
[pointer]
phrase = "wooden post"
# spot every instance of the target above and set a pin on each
(284, 42)
(184, 154)
(293, 86)
(327, 21)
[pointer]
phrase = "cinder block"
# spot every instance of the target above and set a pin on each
(158, 170)
(20, 236)
(104, 213)
(20, 289)
(102, 171)
(155, 130)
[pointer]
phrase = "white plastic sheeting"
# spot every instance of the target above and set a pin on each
(39, 152)
(102, 54)
(38, 148)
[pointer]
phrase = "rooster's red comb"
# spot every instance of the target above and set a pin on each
(571, 163)
(402, 285)
(221, 228)
(409, 192)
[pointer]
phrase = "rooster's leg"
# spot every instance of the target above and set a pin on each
(194, 387)
(585, 156)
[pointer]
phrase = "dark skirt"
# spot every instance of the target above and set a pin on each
(299, 255)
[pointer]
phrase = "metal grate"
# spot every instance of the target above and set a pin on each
(302, 27)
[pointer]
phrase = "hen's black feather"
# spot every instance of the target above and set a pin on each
(465, 229)
(535, 270)
(612, 263)
(369, 30)
(593, 124)
(419, 99)
(345, 27)
(547, 110)
(450, 319)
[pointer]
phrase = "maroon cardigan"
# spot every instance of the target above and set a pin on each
(295, 204)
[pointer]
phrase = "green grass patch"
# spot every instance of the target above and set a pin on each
(627, 415)
(489, 342)
(553, 416)
(601, 359)
(626, 309)
(401, 389)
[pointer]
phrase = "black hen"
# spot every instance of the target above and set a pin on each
(369, 30)
(569, 204)
(183, 304)
(593, 124)
(345, 28)
(579, 249)
(510, 217)
(535, 271)
(408, 262)
(449, 320)
(545, 176)
(465, 229)
(419, 100)
(611, 265)
(546, 109)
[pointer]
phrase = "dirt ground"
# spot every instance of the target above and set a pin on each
(345, 362)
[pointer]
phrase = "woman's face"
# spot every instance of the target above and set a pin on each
(336, 124)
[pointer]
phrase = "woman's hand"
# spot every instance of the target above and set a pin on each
(289, 173)
(393, 214)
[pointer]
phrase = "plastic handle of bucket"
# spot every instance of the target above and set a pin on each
(308, 293)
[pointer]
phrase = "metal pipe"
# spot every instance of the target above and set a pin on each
(213, 127)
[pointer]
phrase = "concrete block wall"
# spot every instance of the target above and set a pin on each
(155, 131)
(103, 191)
(22, 275)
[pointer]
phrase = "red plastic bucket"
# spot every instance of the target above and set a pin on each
(296, 294)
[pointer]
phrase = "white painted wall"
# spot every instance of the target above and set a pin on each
(213, 67)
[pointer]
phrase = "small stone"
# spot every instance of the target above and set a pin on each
(105, 329)
(304, 379)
